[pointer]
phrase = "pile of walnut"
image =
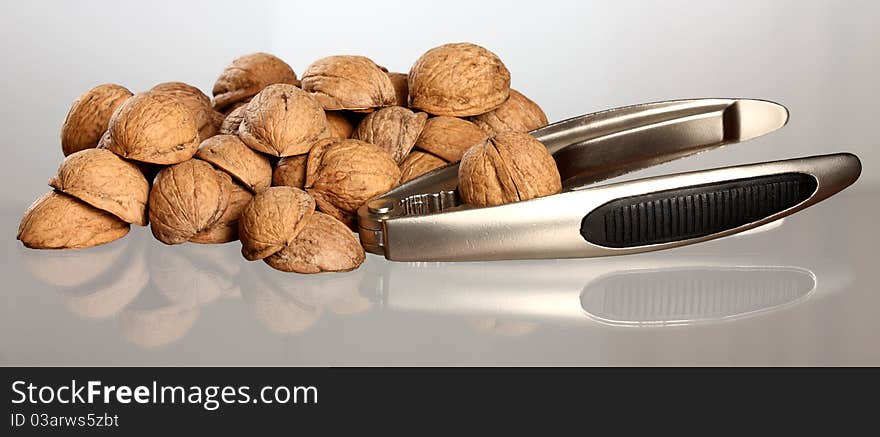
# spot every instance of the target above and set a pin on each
(283, 164)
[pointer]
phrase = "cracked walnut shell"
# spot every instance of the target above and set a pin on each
(348, 82)
(107, 182)
(394, 129)
(272, 220)
(460, 79)
(247, 76)
(418, 163)
(449, 137)
(186, 199)
(283, 120)
(89, 116)
(230, 154)
(323, 245)
(59, 221)
(342, 175)
(155, 128)
(509, 167)
(517, 114)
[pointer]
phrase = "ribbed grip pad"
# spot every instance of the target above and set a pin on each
(693, 212)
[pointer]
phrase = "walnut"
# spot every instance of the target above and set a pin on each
(207, 119)
(348, 82)
(186, 199)
(106, 181)
(323, 245)
(340, 126)
(230, 124)
(517, 114)
(509, 167)
(460, 79)
(247, 76)
(283, 120)
(290, 171)
(272, 220)
(89, 116)
(449, 137)
(59, 221)
(226, 228)
(230, 154)
(418, 163)
(155, 128)
(401, 87)
(394, 129)
(342, 175)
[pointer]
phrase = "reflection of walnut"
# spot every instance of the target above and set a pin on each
(509, 167)
(155, 128)
(282, 120)
(394, 129)
(517, 114)
(229, 154)
(348, 82)
(418, 163)
(89, 116)
(106, 181)
(247, 76)
(459, 79)
(59, 221)
(342, 175)
(449, 137)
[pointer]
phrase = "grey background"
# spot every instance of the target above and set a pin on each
(136, 301)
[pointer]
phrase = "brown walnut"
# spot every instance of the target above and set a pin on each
(394, 129)
(207, 119)
(401, 88)
(517, 114)
(342, 175)
(247, 76)
(230, 154)
(290, 172)
(449, 137)
(226, 227)
(106, 181)
(89, 116)
(59, 221)
(460, 79)
(155, 128)
(282, 120)
(340, 126)
(230, 124)
(418, 163)
(186, 199)
(272, 220)
(509, 167)
(323, 245)
(348, 82)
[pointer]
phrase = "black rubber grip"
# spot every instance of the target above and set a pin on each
(693, 212)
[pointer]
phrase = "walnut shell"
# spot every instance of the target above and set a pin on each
(207, 119)
(401, 88)
(155, 128)
(283, 120)
(290, 172)
(230, 154)
(517, 114)
(449, 137)
(59, 221)
(230, 124)
(340, 126)
(247, 76)
(342, 175)
(394, 129)
(272, 220)
(89, 116)
(226, 228)
(460, 79)
(106, 181)
(509, 167)
(418, 163)
(348, 82)
(186, 199)
(323, 245)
